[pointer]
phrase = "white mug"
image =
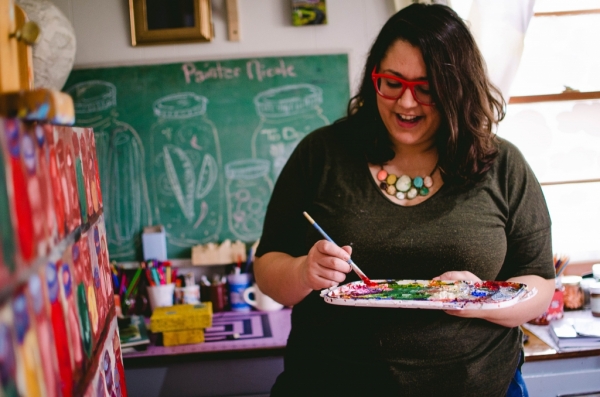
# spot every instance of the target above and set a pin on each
(187, 295)
(261, 301)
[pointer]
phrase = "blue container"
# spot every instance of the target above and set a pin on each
(154, 243)
(237, 285)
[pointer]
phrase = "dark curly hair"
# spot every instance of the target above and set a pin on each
(469, 104)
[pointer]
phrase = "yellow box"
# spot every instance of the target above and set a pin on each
(181, 317)
(186, 337)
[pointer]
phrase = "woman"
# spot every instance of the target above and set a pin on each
(425, 109)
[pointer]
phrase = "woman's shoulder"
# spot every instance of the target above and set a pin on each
(509, 154)
(511, 166)
(329, 137)
(331, 131)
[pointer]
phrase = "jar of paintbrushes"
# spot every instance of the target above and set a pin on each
(574, 297)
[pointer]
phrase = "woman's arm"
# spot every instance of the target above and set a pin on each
(512, 316)
(288, 280)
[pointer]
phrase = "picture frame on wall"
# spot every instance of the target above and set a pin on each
(170, 21)
(309, 12)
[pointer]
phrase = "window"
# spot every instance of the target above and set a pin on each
(553, 116)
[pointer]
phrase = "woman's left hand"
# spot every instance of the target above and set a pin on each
(510, 316)
(460, 275)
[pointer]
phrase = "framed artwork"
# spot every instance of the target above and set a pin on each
(309, 12)
(170, 21)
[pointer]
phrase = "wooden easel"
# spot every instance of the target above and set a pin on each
(18, 98)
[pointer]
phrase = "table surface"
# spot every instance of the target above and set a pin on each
(540, 345)
(232, 331)
(258, 331)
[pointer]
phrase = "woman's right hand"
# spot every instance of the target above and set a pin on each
(326, 265)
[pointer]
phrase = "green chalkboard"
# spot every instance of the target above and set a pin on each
(197, 146)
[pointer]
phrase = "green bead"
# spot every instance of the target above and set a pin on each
(424, 191)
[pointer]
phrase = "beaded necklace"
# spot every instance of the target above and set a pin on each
(404, 187)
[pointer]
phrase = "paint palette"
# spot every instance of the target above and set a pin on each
(429, 294)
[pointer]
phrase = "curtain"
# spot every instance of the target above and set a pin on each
(499, 28)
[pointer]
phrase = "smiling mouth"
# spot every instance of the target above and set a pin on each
(408, 119)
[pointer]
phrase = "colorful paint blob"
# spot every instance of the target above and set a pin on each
(429, 294)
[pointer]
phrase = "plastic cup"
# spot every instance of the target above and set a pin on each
(161, 295)
(237, 285)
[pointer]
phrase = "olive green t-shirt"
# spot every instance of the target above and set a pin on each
(498, 229)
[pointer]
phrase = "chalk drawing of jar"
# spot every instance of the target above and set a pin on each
(186, 161)
(120, 155)
(287, 114)
(248, 190)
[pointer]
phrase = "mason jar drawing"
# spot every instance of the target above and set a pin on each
(248, 189)
(121, 165)
(287, 114)
(185, 163)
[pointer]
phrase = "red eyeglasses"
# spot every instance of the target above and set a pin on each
(393, 87)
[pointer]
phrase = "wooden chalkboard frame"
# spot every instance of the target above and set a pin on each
(202, 31)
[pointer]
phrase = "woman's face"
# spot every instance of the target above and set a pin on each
(409, 123)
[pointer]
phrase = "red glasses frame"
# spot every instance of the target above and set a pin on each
(405, 84)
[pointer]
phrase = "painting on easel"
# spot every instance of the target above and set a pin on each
(58, 326)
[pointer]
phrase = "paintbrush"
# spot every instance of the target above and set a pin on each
(356, 269)
(560, 264)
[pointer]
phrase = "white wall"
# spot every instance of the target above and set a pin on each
(103, 33)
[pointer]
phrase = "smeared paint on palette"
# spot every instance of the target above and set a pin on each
(429, 294)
